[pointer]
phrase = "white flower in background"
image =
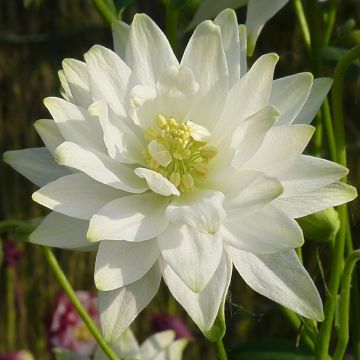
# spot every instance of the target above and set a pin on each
(160, 346)
(180, 170)
(258, 13)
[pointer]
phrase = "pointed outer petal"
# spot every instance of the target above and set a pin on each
(121, 141)
(157, 182)
(205, 56)
(249, 95)
(78, 80)
(119, 263)
(148, 50)
(120, 307)
(258, 13)
(250, 134)
(193, 255)
(282, 278)
(110, 78)
(61, 231)
(64, 87)
(310, 173)
(100, 167)
(75, 124)
(120, 32)
(280, 140)
(246, 197)
(174, 351)
(289, 95)
(36, 164)
(131, 218)
(332, 195)
(76, 195)
(156, 343)
(208, 9)
(198, 132)
(243, 50)
(201, 209)
(266, 231)
(230, 37)
(202, 307)
(49, 133)
(316, 97)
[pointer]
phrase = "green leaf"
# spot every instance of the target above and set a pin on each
(61, 354)
(270, 350)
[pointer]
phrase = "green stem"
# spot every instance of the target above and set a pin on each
(220, 350)
(330, 21)
(338, 252)
(299, 11)
(329, 130)
(344, 304)
(60, 276)
(171, 25)
(105, 11)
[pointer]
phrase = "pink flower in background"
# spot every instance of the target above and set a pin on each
(67, 330)
(20, 355)
(12, 254)
(162, 321)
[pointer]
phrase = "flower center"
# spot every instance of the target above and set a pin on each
(178, 151)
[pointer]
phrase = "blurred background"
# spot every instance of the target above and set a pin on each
(35, 35)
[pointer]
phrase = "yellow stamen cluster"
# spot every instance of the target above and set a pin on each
(188, 157)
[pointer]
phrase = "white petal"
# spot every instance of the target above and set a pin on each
(243, 50)
(156, 343)
(120, 32)
(36, 164)
(121, 141)
(174, 351)
(159, 153)
(198, 132)
(193, 255)
(120, 307)
(119, 263)
(282, 278)
(289, 95)
(280, 140)
(202, 307)
(316, 97)
(61, 231)
(75, 124)
(202, 210)
(110, 78)
(310, 173)
(258, 13)
(64, 87)
(100, 167)
(332, 195)
(250, 134)
(132, 218)
(78, 81)
(249, 95)
(266, 231)
(249, 192)
(76, 195)
(205, 56)
(49, 133)
(148, 50)
(157, 182)
(208, 9)
(230, 38)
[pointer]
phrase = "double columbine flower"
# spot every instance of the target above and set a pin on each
(181, 170)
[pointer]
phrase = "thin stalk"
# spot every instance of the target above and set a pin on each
(338, 253)
(330, 21)
(344, 305)
(60, 276)
(300, 14)
(329, 130)
(105, 11)
(220, 350)
(171, 25)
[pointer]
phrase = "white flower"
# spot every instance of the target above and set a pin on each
(182, 170)
(258, 13)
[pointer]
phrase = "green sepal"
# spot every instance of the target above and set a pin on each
(321, 226)
(218, 330)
